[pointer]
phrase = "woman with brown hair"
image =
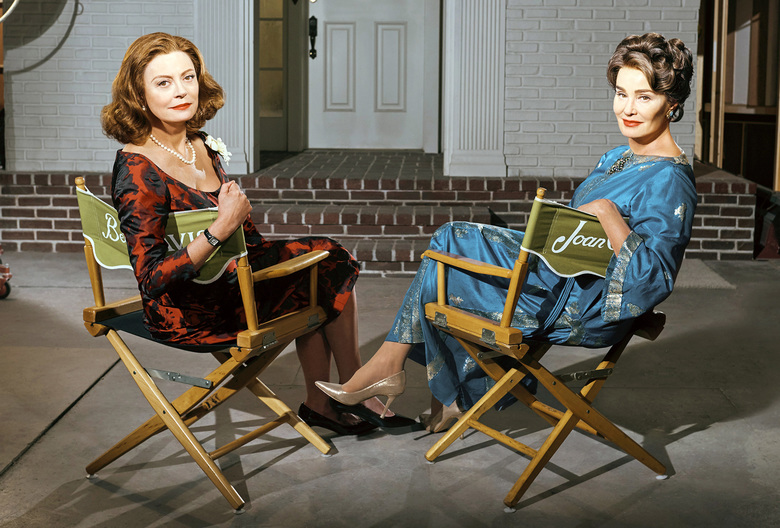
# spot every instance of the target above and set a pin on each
(649, 181)
(162, 96)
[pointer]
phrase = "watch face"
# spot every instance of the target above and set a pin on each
(211, 238)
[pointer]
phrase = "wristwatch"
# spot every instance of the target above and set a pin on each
(214, 241)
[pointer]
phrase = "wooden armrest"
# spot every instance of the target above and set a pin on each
(96, 314)
(288, 267)
(468, 264)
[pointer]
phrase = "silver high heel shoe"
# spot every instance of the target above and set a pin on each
(391, 387)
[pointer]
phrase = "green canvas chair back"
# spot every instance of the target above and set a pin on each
(100, 225)
(569, 241)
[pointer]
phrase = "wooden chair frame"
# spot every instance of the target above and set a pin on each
(239, 367)
(485, 341)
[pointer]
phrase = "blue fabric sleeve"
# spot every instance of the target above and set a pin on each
(660, 216)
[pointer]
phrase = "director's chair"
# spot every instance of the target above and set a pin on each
(550, 226)
(239, 363)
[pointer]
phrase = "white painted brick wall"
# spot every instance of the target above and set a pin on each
(60, 59)
(559, 118)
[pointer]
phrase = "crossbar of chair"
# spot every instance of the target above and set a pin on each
(585, 375)
(245, 439)
(177, 377)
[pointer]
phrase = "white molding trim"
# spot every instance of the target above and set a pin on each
(225, 37)
(473, 108)
(431, 81)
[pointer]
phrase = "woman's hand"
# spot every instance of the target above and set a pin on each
(611, 220)
(233, 208)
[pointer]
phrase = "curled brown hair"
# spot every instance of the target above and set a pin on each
(666, 64)
(124, 119)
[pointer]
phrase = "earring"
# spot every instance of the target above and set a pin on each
(670, 115)
(144, 109)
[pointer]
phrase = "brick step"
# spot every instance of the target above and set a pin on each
(361, 221)
(501, 193)
(381, 205)
(387, 256)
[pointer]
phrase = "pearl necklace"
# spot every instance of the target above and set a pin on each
(182, 158)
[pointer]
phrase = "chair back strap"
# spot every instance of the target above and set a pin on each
(569, 241)
(100, 225)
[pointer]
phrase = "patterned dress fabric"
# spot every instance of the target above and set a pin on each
(179, 311)
(656, 194)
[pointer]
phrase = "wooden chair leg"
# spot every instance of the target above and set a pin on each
(559, 433)
(155, 425)
(579, 404)
(174, 423)
(267, 396)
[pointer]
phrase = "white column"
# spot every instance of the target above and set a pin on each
(474, 54)
(225, 38)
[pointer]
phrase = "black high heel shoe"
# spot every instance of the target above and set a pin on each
(315, 419)
(364, 413)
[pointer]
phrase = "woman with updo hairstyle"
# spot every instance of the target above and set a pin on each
(161, 97)
(667, 66)
(648, 182)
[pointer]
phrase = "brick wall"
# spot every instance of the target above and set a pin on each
(60, 59)
(559, 118)
(385, 219)
(724, 225)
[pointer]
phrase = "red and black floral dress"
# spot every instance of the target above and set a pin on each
(178, 310)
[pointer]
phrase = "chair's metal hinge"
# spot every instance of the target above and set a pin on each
(488, 337)
(269, 339)
(489, 354)
(179, 378)
(314, 320)
(585, 374)
(440, 320)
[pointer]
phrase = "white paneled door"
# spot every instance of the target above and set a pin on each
(367, 83)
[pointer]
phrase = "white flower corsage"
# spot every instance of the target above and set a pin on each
(218, 146)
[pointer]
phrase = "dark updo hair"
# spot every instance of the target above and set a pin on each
(667, 65)
(124, 118)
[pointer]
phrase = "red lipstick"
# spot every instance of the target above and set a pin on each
(183, 106)
(628, 123)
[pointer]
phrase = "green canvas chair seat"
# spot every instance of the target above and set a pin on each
(239, 363)
(571, 243)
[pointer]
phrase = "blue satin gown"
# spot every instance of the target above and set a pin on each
(656, 194)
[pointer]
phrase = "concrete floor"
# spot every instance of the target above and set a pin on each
(704, 399)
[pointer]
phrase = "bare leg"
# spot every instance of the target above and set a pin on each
(314, 355)
(341, 336)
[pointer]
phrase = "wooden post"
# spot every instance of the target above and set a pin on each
(718, 90)
(777, 131)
